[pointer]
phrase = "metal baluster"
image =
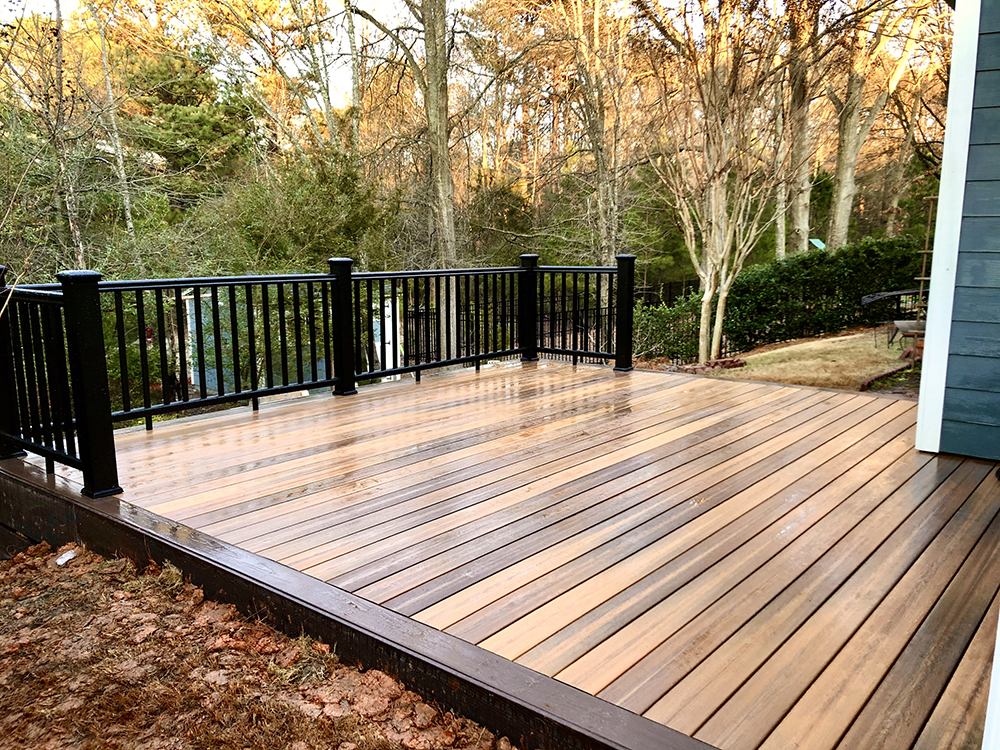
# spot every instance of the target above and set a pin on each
(199, 339)
(140, 312)
(395, 325)
(406, 322)
(297, 327)
(611, 312)
(477, 320)
(438, 327)
(428, 356)
(220, 369)
(562, 320)
(359, 325)
(311, 293)
(38, 346)
(23, 387)
(126, 386)
(265, 308)
(59, 372)
(576, 322)
(448, 342)
(248, 293)
(597, 321)
(161, 327)
(381, 325)
(370, 325)
(282, 333)
(180, 313)
(324, 291)
(234, 339)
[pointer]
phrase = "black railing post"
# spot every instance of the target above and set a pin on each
(8, 404)
(626, 307)
(342, 326)
(527, 308)
(89, 377)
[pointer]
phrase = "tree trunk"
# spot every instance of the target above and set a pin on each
(720, 316)
(112, 125)
(851, 135)
(705, 323)
(780, 211)
(355, 89)
(800, 185)
(442, 187)
(781, 189)
(59, 142)
(897, 174)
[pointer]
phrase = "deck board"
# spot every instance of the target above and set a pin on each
(756, 565)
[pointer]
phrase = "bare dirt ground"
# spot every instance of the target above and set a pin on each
(94, 655)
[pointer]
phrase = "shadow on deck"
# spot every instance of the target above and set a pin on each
(752, 565)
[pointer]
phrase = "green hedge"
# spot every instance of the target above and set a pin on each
(803, 295)
(667, 332)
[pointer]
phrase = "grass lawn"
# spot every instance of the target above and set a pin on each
(843, 362)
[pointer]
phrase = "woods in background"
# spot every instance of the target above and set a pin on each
(167, 137)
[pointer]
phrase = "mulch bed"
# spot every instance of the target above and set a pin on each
(95, 655)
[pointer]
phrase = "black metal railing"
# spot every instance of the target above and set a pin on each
(55, 400)
(413, 321)
(180, 344)
(85, 354)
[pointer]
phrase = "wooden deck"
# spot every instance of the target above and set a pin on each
(757, 566)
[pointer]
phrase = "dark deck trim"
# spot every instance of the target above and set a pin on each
(533, 710)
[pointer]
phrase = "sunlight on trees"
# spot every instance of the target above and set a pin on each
(145, 137)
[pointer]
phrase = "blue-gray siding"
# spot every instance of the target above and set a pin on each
(971, 424)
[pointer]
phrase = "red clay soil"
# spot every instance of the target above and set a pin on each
(94, 655)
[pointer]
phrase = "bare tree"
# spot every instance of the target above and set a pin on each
(868, 50)
(717, 155)
(36, 71)
(109, 116)
(431, 76)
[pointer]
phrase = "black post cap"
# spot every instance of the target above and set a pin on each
(79, 277)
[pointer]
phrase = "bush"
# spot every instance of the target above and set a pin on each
(816, 292)
(803, 295)
(667, 332)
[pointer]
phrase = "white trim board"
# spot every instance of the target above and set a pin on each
(948, 226)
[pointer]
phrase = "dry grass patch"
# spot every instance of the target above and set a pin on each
(844, 362)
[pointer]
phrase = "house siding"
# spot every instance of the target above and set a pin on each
(971, 421)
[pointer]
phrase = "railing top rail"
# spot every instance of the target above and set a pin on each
(208, 282)
(44, 296)
(376, 275)
(579, 269)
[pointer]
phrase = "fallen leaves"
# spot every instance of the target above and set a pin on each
(97, 656)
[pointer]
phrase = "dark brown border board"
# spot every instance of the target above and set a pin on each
(533, 710)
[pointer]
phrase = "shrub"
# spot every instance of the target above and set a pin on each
(816, 292)
(803, 295)
(667, 332)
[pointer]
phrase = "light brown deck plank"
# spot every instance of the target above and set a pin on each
(587, 645)
(714, 512)
(828, 707)
(484, 468)
(761, 565)
(320, 558)
(815, 627)
(959, 717)
(708, 615)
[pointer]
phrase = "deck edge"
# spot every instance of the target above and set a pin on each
(533, 710)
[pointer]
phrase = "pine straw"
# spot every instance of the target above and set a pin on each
(844, 362)
(94, 656)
